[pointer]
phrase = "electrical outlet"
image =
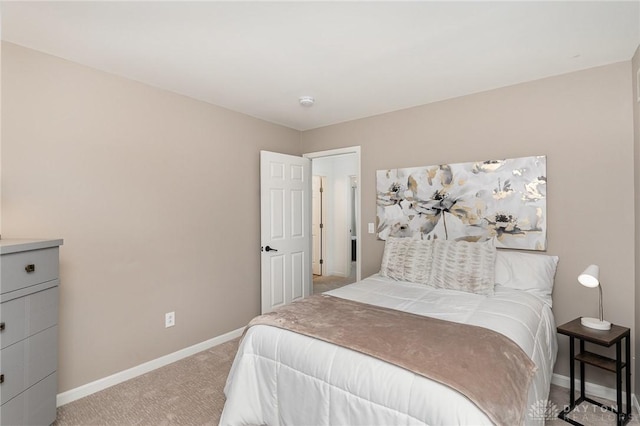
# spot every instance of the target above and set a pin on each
(169, 319)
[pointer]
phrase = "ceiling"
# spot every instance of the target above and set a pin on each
(356, 59)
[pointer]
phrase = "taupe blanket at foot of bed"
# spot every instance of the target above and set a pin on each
(487, 367)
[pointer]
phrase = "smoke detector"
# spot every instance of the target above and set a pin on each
(306, 101)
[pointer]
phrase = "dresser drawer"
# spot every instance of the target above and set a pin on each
(24, 269)
(28, 315)
(25, 363)
(34, 407)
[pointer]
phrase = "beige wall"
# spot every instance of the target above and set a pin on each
(148, 189)
(635, 100)
(156, 196)
(581, 121)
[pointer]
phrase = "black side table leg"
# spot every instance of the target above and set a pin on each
(572, 374)
(582, 378)
(627, 367)
(572, 385)
(618, 411)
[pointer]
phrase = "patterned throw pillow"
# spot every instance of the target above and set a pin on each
(406, 259)
(464, 266)
(418, 260)
(395, 250)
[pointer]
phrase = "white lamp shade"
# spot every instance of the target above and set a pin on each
(590, 276)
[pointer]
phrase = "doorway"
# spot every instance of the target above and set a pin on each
(336, 222)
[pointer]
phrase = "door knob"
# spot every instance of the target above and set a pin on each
(267, 248)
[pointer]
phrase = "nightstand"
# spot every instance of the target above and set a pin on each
(605, 338)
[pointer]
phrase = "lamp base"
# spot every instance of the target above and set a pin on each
(595, 323)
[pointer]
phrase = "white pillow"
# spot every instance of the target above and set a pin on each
(464, 266)
(533, 273)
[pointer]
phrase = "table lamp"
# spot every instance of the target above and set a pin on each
(589, 278)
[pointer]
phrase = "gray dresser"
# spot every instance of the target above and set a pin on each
(28, 331)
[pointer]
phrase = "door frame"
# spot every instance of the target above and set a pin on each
(323, 217)
(341, 151)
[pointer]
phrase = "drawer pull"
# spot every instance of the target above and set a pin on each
(30, 268)
(1, 326)
(1, 378)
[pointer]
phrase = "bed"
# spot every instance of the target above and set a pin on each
(283, 377)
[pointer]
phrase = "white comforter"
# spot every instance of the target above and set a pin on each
(280, 377)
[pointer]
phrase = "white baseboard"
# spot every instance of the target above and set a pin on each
(106, 382)
(593, 389)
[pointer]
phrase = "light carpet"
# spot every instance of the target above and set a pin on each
(190, 392)
(186, 392)
(322, 283)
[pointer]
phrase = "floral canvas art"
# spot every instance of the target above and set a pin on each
(503, 200)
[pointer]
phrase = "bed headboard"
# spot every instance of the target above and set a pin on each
(504, 200)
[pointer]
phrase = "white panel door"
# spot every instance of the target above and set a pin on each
(285, 210)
